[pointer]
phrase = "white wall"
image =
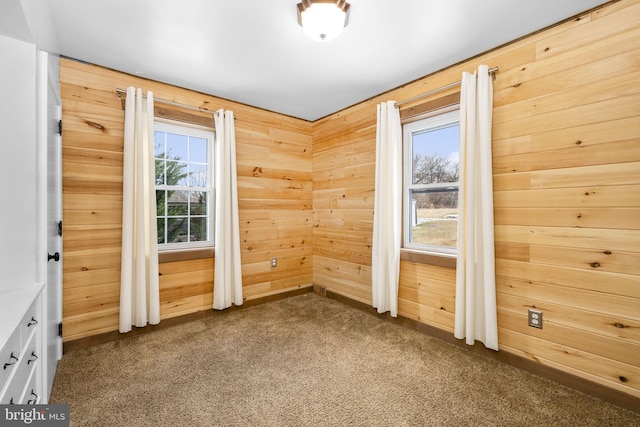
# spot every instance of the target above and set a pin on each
(38, 17)
(17, 163)
(29, 21)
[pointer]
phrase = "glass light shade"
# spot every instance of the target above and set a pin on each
(323, 22)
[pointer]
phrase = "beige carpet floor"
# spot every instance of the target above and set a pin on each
(309, 361)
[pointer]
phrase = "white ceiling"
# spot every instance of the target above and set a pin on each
(253, 51)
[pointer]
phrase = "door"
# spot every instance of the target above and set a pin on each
(49, 103)
(54, 244)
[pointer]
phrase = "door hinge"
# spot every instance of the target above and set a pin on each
(59, 228)
(60, 329)
(60, 127)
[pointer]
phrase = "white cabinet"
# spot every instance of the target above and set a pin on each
(21, 357)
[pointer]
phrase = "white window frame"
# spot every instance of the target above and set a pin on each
(209, 135)
(433, 121)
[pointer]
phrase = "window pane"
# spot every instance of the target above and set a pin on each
(177, 173)
(177, 146)
(197, 175)
(177, 230)
(435, 155)
(159, 172)
(434, 217)
(159, 144)
(177, 203)
(198, 229)
(160, 222)
(161, 202)
(198, 203)
(197, 150)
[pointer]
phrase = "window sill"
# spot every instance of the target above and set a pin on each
(441, 260)
(186, 254)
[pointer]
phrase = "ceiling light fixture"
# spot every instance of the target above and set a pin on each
(323, 20)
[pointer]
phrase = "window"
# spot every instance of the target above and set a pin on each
(184, 186)
(431, 149)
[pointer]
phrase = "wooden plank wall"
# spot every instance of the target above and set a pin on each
(566, 153)
(274, 155)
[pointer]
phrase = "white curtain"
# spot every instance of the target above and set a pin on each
(227, 286)
(387, 211)
(139, 288)
(476, 316)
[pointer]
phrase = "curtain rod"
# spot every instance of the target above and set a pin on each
(492, 72)
(121, 92)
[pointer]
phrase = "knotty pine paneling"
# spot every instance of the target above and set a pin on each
(274, 156)
(566, 165)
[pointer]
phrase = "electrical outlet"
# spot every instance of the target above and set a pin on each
(535, 318)
(274, 262)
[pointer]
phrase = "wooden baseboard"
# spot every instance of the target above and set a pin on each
(166, 323)
(599, 391)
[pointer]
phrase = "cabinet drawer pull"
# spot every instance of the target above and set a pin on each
(32, 322)
(33, 359)
(12, 357)
(34, 398)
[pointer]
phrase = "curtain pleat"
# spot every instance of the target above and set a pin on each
(476, 314)
(139, 288)
(387, 211)
(227, 287)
